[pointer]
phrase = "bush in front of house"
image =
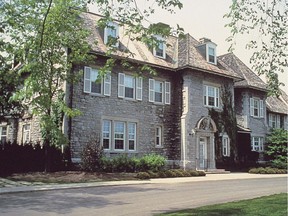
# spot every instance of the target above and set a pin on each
(170, 173)
(151, 162)
(91, 156)
(267, 170)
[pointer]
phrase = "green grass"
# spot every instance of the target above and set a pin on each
(275, 205)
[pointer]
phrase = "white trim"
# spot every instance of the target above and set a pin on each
(211, 46)
(109, 26)
(151, 90)
(107, 84)
(162, 41)
(167, 93)
(121, 85)
(139, 86)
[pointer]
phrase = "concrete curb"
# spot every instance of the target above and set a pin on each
(208, 177)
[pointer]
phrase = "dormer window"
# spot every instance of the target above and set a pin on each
(111, 34)
(160, 49)
(211, 53)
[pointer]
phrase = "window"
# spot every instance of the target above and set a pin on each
(95, 85)
(158, 136)
(160, 49)
(26, 133)
(159, 92)
(129, 86)
(211, 53)
(3, 134)
(106, 134)
(257, 144)
(111, 34)
(274, 120)
(225, 146)
(211, 96)
(119, 135)
(256, 107)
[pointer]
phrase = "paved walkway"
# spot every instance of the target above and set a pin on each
(7, 186)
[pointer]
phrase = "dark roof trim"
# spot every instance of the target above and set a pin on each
(252, 87)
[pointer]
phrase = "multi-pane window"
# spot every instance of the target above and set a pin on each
(158, 136)
(274, 120)
(129, 86)
(160, 49)
(119, 135)
(211, 96)
(225, 146)
(211, 55)
(256, 107)
(111, 34)
(159, 92)
(26, 133)
(106, 134)
(3, 134)
(131, 136)
(95, 84)
(257, 144)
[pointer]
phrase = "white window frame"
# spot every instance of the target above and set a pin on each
(2, 136)
(111, 26)
(159, 136)
(259, 107)
(166, 91)
(137, 86)
(225, 146)
(128, 135)
(160, 41)
(260, 143)
(216, 96)
(105, 82)
(213, 47)
(26, 132)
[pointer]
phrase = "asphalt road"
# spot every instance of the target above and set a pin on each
(142, 199)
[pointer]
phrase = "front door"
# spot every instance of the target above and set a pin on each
(202, 153)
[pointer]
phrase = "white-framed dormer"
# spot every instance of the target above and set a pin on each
(159, 50)
(111, 30)
(211, 55)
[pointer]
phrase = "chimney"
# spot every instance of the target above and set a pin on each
(204, 40)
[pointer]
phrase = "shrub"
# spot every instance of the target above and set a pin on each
(170, 174)
(193, 173)
(152, 162)
(143, 175)
(179, 172)
(201, 173)
(267, 170)
(91, 156)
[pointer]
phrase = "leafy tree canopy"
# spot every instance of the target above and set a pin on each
(266, 22)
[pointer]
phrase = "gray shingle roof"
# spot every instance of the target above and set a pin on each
(181, 52)
(251, 80)
(278, 104)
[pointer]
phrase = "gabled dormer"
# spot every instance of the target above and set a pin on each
(159, 50)
(208, 50)
(111, 34)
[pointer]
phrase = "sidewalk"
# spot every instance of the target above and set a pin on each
(7, 186)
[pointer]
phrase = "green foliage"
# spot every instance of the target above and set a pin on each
(267, 170)
(91, 156)
(143, 175)
(151, 162)
(277, 146)
(170, 173)
(267, 20)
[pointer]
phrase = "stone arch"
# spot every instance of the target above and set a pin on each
(206, 124)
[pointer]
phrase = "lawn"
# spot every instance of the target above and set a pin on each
(275, 205)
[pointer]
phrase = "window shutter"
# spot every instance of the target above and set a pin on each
(251, 107)
(139, 84)
(151, 90)
(121, 86)
(167, 93)
(270, 119)
(107, 84)
(87, 81)
(261, 109)
(277, 121)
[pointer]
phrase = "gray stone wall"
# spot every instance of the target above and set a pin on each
(147, 115)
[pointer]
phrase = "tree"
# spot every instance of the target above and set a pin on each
(266, 22)
(49, 38)
(277, 148)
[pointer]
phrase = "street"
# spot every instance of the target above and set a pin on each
(142, 199)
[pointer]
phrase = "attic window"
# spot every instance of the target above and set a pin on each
(211, 54)
(111, 34)
(160, 49)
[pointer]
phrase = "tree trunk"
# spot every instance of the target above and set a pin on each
(47, 155)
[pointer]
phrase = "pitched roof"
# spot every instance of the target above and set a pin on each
(181, 53)
(251, 80)
(189, 56)
(278, 104)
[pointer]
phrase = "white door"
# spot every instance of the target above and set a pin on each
(202, 153)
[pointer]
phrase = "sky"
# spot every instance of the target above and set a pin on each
(204, 18)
